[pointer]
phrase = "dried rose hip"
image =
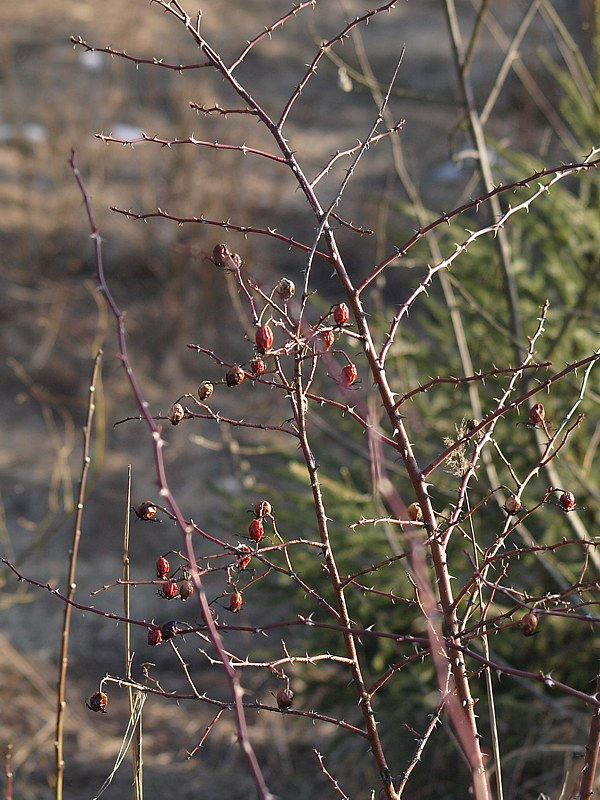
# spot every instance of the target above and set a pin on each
(186, 589)
(513, 504)
(169, 590)
(169, 630)
(529, 624)
(146, 510)
(262, 508)
(97, 702)
(154, 637)
(244, 560)
(257, 365)
(341, 314)
(349, 374)
(235, 376)
(567, 501)
(205, 390)
(537, 415)
(264, 338)
(236, 601)
(175, 414)
(328, 338)
(286, 289)
(162, 567)
(285, 699)
(256, 530)
(220, 255)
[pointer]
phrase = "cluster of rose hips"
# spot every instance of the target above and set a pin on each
(184, 587)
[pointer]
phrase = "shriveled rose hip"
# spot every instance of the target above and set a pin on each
(162, 567)
(257, 365)
(256, 530)
(537, 415)
(235, 376)
(236, 601)
(328, 339)
(341, 314)
(264, 338)
(567, 501)
(349, 374)
(154, 637)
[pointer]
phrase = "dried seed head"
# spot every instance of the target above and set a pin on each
(154, 637)
(328, 338)
(256, 530)
(97, 702)
(186, 589)
(236, 601)
(286, 289)
(513, 504)
(205, 390)
(162, 567)
(235, 376)
(175, 414)
(285, 699)
(169, 630)
(264, 338)
(567, 501)
(537, 415)
(257, 365)
(415, 512)
(169, 590)
(146, 510)
(263, 508)
(529, 624)
(341, 314)
(349, 374)
(220, 255)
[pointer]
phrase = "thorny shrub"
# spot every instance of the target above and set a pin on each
(418, 572)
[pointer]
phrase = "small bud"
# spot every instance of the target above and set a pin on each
(415, 512)
(286, 289)
(529, 624)
(175, 414)
(341, 314)
(235, 376)
(285, 699)
(205, 390)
